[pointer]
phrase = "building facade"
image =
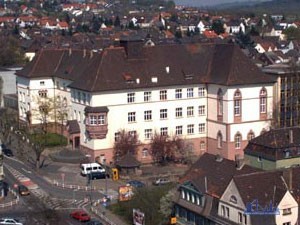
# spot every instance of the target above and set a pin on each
(211, 96)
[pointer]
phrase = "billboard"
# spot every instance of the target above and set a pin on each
(138, 217)
(125, 193)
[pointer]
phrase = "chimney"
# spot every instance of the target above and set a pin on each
(288, 178)
(291, 138)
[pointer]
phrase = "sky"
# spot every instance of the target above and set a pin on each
(199, 3)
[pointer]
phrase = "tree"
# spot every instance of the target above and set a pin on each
(44, 111)
(1, 91)
(292, 33)
(217, 27)
(126, 142)
(10, 51)
(117, 22)
(62, 110)
(166, 204)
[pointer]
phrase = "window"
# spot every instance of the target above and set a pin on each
(147, 115)
(220, 102)
(240, 217)
(147, 96)
(145, 153)
(101, 119)
(202, 145)
(163, 95)
(178, 112)
(190, 129)
(227, 212)
(201, 92)
(130, 97)
(237, 103)
(190, 111)
(233, 199)
(163, 114)
(117, 136)
(201, 110)
(79, 96)
(201, 128)
(79, 117)
(182, 194)
(190, 93)
(131, 117)
(219, 139)
(42, 83)
(164, 131)
(132, 133)
(237, 141)
(245, 219)
(93, 119)
(43, 93)
(84, 98)
(250, 135)
(178, 130)
(263, 101)
(223, 210)
(178, 93)
(148, 133)
(287, 223)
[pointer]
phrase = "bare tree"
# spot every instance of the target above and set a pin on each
(126, 142)
(1, 91)
(161, 148)
(44, 111)
(62, 111)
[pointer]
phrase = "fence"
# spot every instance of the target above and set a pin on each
(13, 202)
(101, 214)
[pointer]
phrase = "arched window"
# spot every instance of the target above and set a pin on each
(233, 199)
(263, 101)
(220, 102)
(219, 139)
(237, 103)
(250, 135)
(237, 141)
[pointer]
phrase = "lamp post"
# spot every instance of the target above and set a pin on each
(105, 167)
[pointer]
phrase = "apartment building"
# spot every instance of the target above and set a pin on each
(210, 95)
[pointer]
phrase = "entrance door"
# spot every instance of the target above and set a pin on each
(77, 142)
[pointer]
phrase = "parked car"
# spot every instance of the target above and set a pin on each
(80, 215)
(10, 221)
(94, 222)
(161, 181)
(7, 152)
(23, 190)
(136, 183)
(96, 175)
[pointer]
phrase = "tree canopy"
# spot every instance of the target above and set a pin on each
(10, 52)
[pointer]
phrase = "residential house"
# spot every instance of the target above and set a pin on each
(167, 89)
(246, 202)
(199, 194)
(234, 27)
(277, 148)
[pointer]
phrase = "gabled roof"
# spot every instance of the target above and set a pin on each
(218, 174)
(223, 64)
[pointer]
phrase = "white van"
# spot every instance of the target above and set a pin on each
(88, 168)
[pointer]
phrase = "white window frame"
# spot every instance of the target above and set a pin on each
(147, 96)
(148, 134)
(190, 129)
(201, 92)
(148, 115)
(163, 95)
(163, 114)
(190, 111)
(131, 97)
(164, 131)
(178, 130)
(201, 110)
(178, 93)
(190, 92)
(131, 117)
(178, 112)
(201, 128)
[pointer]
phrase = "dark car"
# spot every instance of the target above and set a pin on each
(23, 190)
(136, 183)
(96, 175)
(94, 222)
(7, 152)
(80, 215)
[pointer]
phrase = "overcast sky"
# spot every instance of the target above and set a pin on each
(210, 2)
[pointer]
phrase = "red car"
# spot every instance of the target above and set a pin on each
(80, 215)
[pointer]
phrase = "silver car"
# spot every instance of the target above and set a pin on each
(10, 221)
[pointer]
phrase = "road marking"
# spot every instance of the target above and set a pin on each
(26, 171)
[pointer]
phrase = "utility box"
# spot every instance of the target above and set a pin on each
(115, 174)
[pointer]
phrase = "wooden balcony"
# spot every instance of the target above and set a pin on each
(97, 131)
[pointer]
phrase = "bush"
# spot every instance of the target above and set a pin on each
(50, 139)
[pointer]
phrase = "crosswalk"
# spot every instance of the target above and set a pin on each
(50, 202)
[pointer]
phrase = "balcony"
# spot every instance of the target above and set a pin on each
(97, 131)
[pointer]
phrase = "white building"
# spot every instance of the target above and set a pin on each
(210, 95)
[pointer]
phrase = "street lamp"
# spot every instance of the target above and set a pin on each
(105, 167)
